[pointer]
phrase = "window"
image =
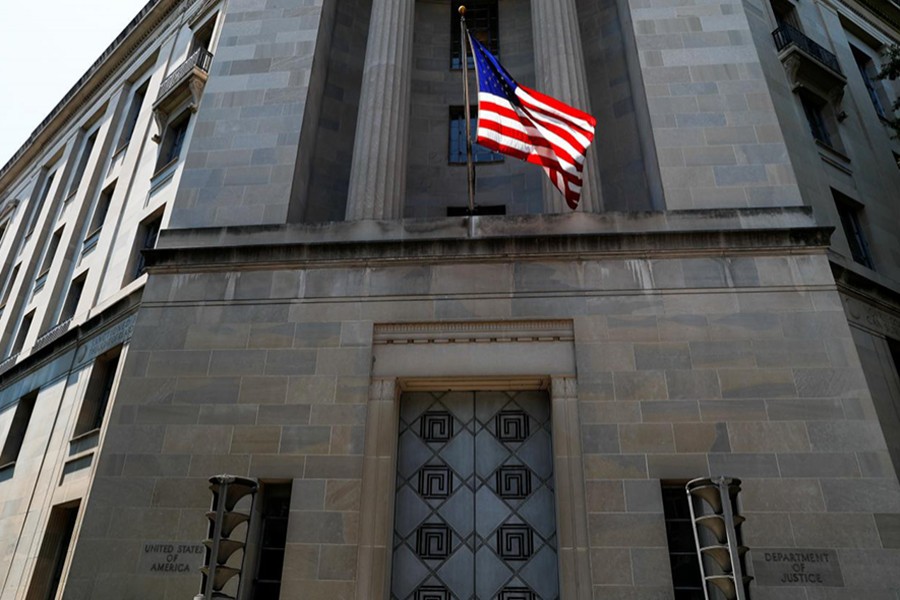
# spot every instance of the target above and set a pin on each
(203, 36)
(482, 20)
(849, 211)
(51, 561)
(869, 72)
(17, 429)
(35, 211)
(275, 500)
(785, 13)
(134, 110)
(73, 297)
(457, 146)
(86, 150)
(24, 326)
(99, 391)
(148, 233)
(100, 212)
(173, 140)
(819, 118)
(7, 288)
(50, 253)
(685, 565)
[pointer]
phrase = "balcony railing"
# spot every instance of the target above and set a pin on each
(200, 59)
(786, 35)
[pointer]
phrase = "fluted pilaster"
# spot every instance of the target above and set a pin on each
(378, 168)
(560, 70)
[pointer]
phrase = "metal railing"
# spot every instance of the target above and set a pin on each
(201, 58)
(787, 35)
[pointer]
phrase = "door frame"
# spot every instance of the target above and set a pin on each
(382, 423)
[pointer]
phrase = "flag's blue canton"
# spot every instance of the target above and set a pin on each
(492, 77)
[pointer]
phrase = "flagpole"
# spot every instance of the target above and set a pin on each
(463, 37)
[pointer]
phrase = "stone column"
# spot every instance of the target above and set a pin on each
(378, 168)
(560, 70)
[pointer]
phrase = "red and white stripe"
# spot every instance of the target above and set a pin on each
(542, 131)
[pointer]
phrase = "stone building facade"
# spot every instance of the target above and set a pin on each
(281, 286)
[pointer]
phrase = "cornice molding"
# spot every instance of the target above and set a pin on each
(524, 247)
(462, 332)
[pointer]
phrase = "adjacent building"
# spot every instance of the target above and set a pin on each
(240, 245)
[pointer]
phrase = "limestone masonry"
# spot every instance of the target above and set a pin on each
(240, 246)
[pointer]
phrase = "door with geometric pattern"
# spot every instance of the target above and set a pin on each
(474, 514)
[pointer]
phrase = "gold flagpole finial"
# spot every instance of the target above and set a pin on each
(462, 10)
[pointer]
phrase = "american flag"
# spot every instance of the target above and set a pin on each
(528, 125)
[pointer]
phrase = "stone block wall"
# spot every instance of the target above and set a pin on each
(247, 134)
(730, 363)
(714, 125)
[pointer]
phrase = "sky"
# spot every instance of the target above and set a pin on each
(45, 47)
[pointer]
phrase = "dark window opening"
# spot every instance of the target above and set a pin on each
(99, 392)
(276, 507)
(51, 561)
(203, 36)
(849, 213)
(86, 150)
(173, 140)
(7, 288)
(100, 211)
(73, 297)
(19, 342)
(134, 111)
(457, 136)
(686, 576)
(869, 72)
(482, 21)
(785, 13)
(148, 233)
(17, 429)
(814, 109)
(36, 207)
(50, 253)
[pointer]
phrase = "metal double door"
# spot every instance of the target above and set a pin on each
(475, 516)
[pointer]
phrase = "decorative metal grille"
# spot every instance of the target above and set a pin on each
(787, 35)
(475, 515)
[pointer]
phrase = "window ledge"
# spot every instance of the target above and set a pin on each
(163, 170)
(7, 466)
(119, 150)
(834, 157)
(90, 242)
(163, 176)
(86, 435)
